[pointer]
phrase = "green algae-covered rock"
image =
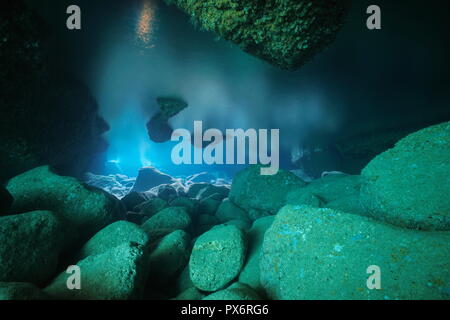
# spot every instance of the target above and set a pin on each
(117, 274)
(86, 208)
(217, 257)
(190, 294)
(409, 184)
(30, 244)
(112, 236)
(184, 281)
(208, 206)
(250, 274)
(151, 207)
(20, 291)
(311, 253)
(166, 221)
(237, 291)
(286, 33)
(169, 257)
(251, 190)
(189, 204)
(229, 211)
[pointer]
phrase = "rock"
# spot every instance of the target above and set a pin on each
(237, 291)
(205, 222)
(214, 192)
(195, 188)
(208, 206)
(86, 208)
(112, 236)
(243, 225)
(190, 294)
(408, 185)
(112, 184)
(201, 177)
(303, 196)
(333, 187)
(166, 192)
(250, 273)
(166, 221)
(6, 200)
(169, 258)
(284, 33)
(229, 211)
(251, 190)
(30, 246)
(150, 177)
(189, 204)
(152, 207)
(20, 291)
(184, 281)
(132, 199)
(217, 257)
(311, 253)
(117, 274)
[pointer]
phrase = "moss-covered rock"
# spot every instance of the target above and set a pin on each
(112, 236)
(250, 273)
(20, 291)
(217, 257)
(251, 190)
(229, 211)
(311, 253)
(167, 221)
(409, 184)
(117, 274)
(85, 208)
(169, 257)
(151, 207)
(30, 244)
(237, 291)
(286, 33)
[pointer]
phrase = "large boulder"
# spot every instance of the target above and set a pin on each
(150, 177)
(112, 236)
(117, 274)
(312, 253)
(285, 33)
(237, 291)
(86, 208)
(251, 190)
(229, 211)
(409, 184)
(217, 257)
(30, 244)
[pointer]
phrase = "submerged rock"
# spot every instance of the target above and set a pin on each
(190, 294)
(409, 184)
(250, 273)
(151, 207)
(217, 257)
(167, 221)
(86, 208)
(169, 257)
(311, 253)
(20, 291)
(112, 236)
(30, 244)
(117, 274)
(251, 190)
(150, 177)
(132, 199)
(237, 291)
(229, 211)
(284, 33)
